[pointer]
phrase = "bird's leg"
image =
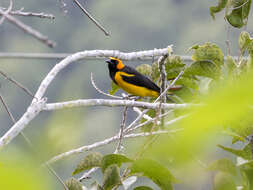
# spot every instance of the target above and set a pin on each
(130, 97)
(133, 97)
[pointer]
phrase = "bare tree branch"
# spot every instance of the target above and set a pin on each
(102, 143)
(121, 132)
(100, 91)
(6, 12)
(9, 55)
(36, 34)
(7, 109)
(163, 77)
(17, 84)
(86, 175)
(30, 14)
(112, 103)
(91, 18)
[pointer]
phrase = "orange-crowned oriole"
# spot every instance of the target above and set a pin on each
(131, 80)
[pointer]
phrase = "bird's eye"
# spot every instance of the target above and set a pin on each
(114, 61)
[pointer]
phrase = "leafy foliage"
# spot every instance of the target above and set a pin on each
(244, 153)
(111, 177)
(114, 89)
(224, 181)
(155, 171)
(110, 159)
(145, 69)
(215, 9)
(237, 11)
(92, 160)
(223, 165)
(73, 184)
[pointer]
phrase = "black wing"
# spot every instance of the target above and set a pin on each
(139, 79)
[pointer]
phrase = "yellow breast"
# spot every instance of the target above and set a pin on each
(133, 89)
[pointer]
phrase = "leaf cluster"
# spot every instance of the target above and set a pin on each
(236, 11)
(111, 167)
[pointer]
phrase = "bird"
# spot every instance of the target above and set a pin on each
(130, 80)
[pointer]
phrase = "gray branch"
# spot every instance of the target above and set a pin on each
(36, 34)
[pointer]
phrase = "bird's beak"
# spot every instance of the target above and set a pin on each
(108, 61)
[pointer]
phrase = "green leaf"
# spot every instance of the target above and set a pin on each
(95, 186)
(244, 41)
(143, 188)
(73, 184)
(173, 66)
(114, 89)
(247, 176)
(111, 177)
(92, 160)
(246, 8)
(155, 71)
(224, 181)
(235, 18)
(236, 137)
(204, 68)
(221, 5)
(145, 69)
(159, 174)
(208, 52)
(238, 17)
(110, 159)
(244, 153)
(247, 166)
(243, 128)
(223, 165)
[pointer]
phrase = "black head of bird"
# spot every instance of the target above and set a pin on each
(114, 64)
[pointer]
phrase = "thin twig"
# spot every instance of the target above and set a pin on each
(104, 142)
(36, 34)
(145, 116)
(171, 84)
(100, 91)
(87, 174)
(227, 40)
(7, 109)
(29, 14)
(91, 18)
(121, 132)
(6, 12)
(163, 77)
(17, 84)
(134, 127)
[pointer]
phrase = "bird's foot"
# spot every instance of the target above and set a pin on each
(130, 97)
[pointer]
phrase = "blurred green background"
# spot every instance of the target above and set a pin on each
(133, 25)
